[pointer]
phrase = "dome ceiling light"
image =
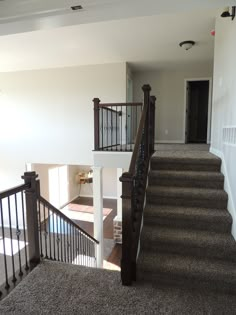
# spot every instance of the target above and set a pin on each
(187, 44)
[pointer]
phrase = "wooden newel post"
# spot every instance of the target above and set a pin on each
(127, 230)
(146, 90)
(153, 113)
(31, 195)
(96, 102)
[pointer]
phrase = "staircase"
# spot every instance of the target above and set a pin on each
(186, 238)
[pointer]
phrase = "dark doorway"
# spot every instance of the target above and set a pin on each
(197, 111)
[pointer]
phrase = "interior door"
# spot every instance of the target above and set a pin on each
(187, 112)
(197, 111)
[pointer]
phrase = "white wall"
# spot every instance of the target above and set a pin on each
(47, 115)
(224, 106)
(168, 87)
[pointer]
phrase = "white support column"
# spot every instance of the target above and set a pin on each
(117, 222)
(98, 212)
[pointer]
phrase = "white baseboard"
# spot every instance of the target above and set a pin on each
(70, 201)
(104, 197)
(227, 188)
(169, 141)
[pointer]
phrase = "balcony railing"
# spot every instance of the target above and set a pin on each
(32, 229)
(116, 125)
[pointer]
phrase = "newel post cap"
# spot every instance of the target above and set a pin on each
(146, 87)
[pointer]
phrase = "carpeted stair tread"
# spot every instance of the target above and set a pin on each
(194, 242)
(186, 192)
(192, 160)
(191, 156)
(188, 217)
(186, 178)
(186, 268)
(187, 196)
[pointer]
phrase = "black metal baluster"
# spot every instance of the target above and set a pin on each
(65, 247)
(45, 232)
(40, 230)
(58, 240)
(12, 256)
(80, 249)
(53, 231)
(18, 233)
(7, 286)
(61, 239)
(77, 246)
(121, 139)
(111, 128)
(102, 111)
(116, 129)
(90, 258)
(107, 129)
(23, 217)
(49, 232)
(126, 128)
(71, 245)
(74, 238)
(131, 127)
(68, 244)
(136, 121)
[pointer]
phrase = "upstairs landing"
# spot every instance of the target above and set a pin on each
(57, 288)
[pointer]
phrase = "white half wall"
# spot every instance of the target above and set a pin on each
(47, 115)
(224, 106)
(168, 87)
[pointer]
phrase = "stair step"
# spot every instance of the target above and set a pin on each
(179, 160)
(189, 242)
(183, 196)
(186, 179)
(188, 271)
(216, 220)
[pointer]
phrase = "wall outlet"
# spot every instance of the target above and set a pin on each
(166, 132)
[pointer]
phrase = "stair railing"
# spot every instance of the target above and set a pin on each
(32, 229)
(115, 125)
(134, 184)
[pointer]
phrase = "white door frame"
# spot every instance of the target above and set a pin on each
(209, 106)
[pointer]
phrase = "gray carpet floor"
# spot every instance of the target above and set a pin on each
(57, 288)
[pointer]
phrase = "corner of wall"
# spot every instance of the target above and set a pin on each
(227, 188)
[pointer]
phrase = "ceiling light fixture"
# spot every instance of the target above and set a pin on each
(187, 44)
(76, 7)
(226, 13)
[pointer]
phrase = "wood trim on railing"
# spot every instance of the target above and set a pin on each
(147, 89)
(134, 190)
(60, 214)
(119, 104)
(14, 190)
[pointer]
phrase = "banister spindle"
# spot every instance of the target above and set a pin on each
(96, 102)
(146, 90)
(152, 130)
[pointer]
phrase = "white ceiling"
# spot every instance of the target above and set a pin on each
(147, 41)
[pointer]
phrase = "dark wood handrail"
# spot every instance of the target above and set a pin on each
(14, 190)
(119, 104)
(138, 140)
(62, 215)
(134, 188)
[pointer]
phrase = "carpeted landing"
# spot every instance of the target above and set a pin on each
(62, 289)
(186, 238)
